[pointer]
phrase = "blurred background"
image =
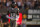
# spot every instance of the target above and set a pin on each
(30, 10)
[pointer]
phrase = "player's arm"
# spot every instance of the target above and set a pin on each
(8, 17)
